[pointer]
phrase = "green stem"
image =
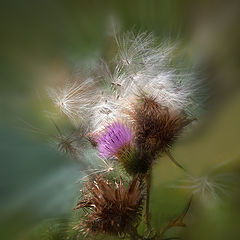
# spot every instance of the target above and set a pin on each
(148, 186)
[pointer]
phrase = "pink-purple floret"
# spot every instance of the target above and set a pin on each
(114, 138)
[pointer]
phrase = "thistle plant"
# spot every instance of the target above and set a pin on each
(133, 112)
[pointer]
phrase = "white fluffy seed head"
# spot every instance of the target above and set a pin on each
(141, 65)
(132, 49)
(104, 111)
(209, 187)
(74, 98)
(144, 66)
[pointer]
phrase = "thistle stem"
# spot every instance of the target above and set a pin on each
(148, 179)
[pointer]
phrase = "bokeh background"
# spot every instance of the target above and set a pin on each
(45, 41)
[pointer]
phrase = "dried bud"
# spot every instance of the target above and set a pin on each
(111, 208)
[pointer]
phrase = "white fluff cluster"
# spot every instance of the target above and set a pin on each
(140, 66)
(146, 67)
(73, 99)
(209, 187)
(104, 111)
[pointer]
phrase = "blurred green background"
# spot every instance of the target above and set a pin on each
(44, 41)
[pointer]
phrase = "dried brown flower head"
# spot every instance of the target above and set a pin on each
(156, 127)
(111, 208)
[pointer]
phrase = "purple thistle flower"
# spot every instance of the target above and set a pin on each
(115, 137)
